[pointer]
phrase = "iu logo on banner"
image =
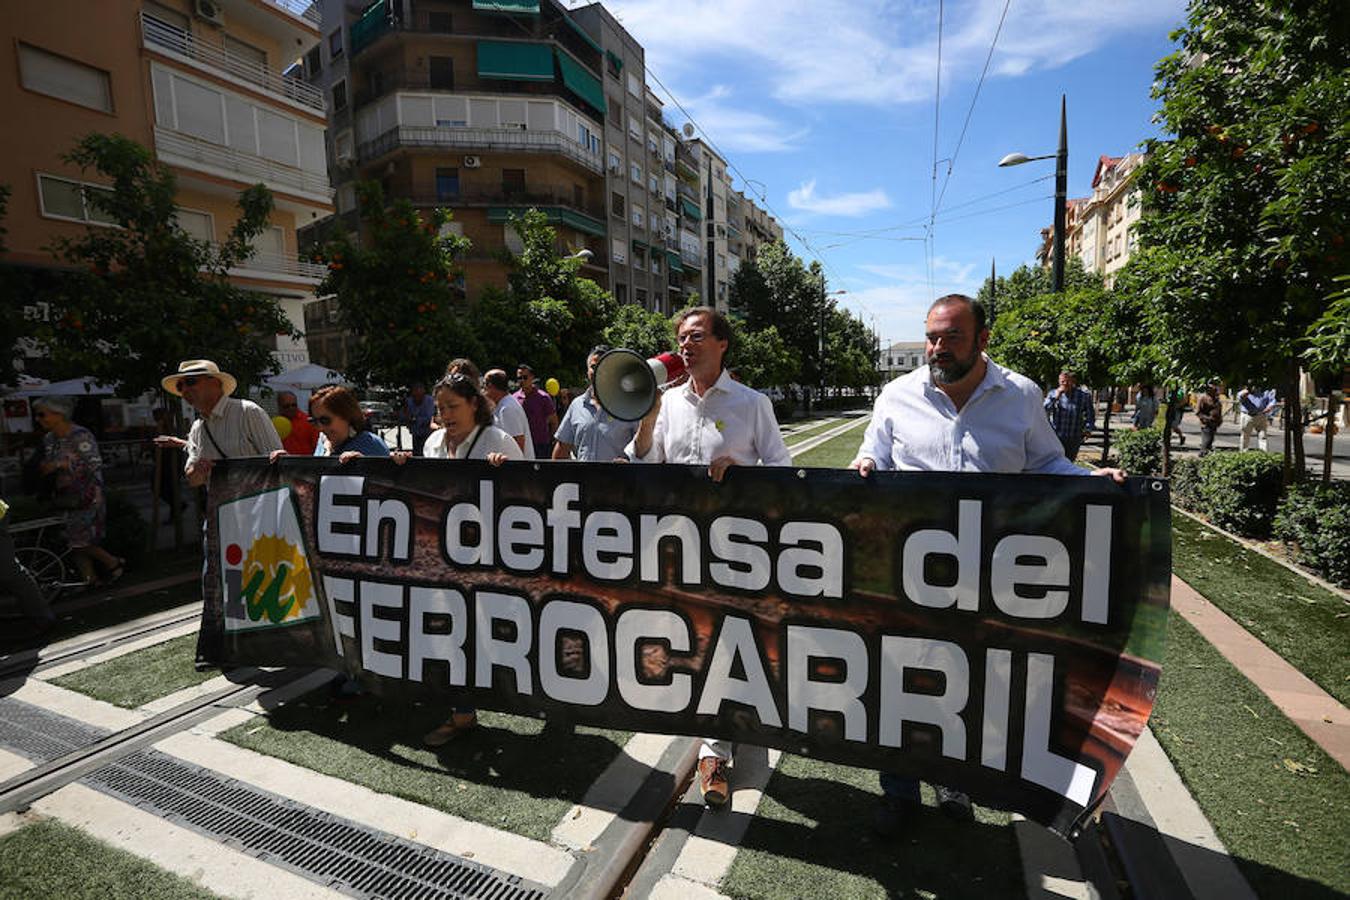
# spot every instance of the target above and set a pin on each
(265, 573)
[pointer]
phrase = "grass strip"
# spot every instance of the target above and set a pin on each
(812, 428)
(51, 859)
(837, 452)
(811, 839)
(504, 774)
(1306, 624)
(135, 679)
(1278, 802)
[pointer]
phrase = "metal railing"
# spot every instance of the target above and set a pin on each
(194, 149)
(529, 195)
(162, 36)
(282, 264)
(305, 9)
(510, 140)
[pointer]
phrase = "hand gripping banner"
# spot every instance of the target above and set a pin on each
(1000, 634)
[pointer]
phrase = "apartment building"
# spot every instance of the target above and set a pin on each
(209, 85)
(901, 358)
(756, 226)
(1098, 229)
(485, 107)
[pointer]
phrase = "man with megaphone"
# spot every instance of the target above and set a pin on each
(715, 421)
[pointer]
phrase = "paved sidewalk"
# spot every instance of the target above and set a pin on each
(1313, 710)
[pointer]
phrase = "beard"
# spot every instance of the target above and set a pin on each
(948, 368)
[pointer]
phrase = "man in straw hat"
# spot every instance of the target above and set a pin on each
(226, 427)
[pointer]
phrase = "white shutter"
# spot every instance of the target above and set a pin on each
(416, 110)
(197, 224)
(312, 158)
(276, 138)
(541, 116)
(272, 240)
(452, 110)
(199, 110)
(482, 113)
(56, 76)
(163, 87)
(239, 118)
(512, 113)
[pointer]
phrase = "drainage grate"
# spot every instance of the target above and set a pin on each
(328, 849)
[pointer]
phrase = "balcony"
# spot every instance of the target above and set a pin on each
(529, 195)
(186, 47)
(177, 148)
(685, 190)
(280, 266)
(503, 140)
(303, 9)
(377, 23)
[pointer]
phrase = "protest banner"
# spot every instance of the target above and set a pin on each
(1000, 634)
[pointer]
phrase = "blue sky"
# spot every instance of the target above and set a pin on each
(829, 106)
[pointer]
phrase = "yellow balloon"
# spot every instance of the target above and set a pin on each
(552, 387)
(282, 425)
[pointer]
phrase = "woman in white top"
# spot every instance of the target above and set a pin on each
(467, 433)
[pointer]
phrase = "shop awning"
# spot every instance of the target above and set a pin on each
(556, 215)
(673, 259)
(516, 61)
(691, 209)
(507, 6)
(581, 82)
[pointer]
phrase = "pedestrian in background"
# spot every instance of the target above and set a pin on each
(1176, 405)
(539, 410)
(1209, 410)
(588, 432)
(507, 413)
(418, 411)
(1257, 408)
(1145, 408)
(1070, 411)
(303, 436)
(71, 452)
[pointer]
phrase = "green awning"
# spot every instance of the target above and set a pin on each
(614, 60)
(556, 215)
(581, 82)
(582, 33)
(640, 245)
(691, 209)
(516, 61)
(374, 22)
(673, 260)
(507, 6)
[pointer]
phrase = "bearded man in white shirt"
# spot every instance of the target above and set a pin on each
(716, 421)
(962, 413)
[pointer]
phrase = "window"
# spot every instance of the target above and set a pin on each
(615, 113)
(335, 44)
(65, 79)
(639, 218)
(640, 296)
(197, 224)
(634, 127)
(639, 258)
(442, 73)
(343, 148)
(635, 172)
(654, 183)
(621, 291)
(339, 95)
(616, 204)
(615, 161)
(447, 183)
(65, 199)
(513, 182)
(721, 261)
(618, 251)
(651, 144)
(255, 56)
(513, 241)
(634, 84)
(578, 196)
(440, 22)
(313, 63)
(656, 264)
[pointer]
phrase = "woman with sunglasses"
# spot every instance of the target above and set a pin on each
(342, 427)
(467, 432)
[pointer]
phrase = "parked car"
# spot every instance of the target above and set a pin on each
(379, 413)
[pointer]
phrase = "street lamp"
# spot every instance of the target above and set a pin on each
(1061, 190)
(584, 254)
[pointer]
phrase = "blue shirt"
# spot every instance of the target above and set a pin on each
(419, 415)
(1070, 413)
(1255, 403)
(366, 443)
(594, 434)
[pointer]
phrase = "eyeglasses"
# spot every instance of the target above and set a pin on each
(696, 337)
(189, 381)
(321, 420)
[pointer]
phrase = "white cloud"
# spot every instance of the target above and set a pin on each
(899, 296)
(872, 51)
(858, 203)
(738, 130)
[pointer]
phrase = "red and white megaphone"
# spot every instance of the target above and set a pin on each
(626, 384)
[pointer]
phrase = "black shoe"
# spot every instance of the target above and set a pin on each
(954, 804)
(892, 815)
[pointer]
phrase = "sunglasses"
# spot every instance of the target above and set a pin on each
(321, 420)
(696, 337)
(190, 381)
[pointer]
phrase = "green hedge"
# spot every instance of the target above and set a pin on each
(1139, 452)
(1315, 519)
(1186, 482)
(1239, 491)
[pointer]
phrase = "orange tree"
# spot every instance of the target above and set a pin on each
(398, 289)
(145, 294)
(1248, 197)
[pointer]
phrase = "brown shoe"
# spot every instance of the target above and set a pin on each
(712, 780)
(453, 728)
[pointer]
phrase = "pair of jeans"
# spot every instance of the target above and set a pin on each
(1207, 433)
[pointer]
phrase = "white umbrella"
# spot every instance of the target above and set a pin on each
(306, 378)
(71, 387)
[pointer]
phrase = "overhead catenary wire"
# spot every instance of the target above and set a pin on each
(937, 120)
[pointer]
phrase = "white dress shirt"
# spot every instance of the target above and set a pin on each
(490, 439)
(241, 428)
(509, 416)
(1002, 428)
(730, 419)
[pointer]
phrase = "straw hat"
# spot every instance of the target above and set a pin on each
(199, 367)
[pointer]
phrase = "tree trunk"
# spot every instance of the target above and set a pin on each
(1294, 424)
(1330, 433)
(1106, 424)
(1167, 437)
